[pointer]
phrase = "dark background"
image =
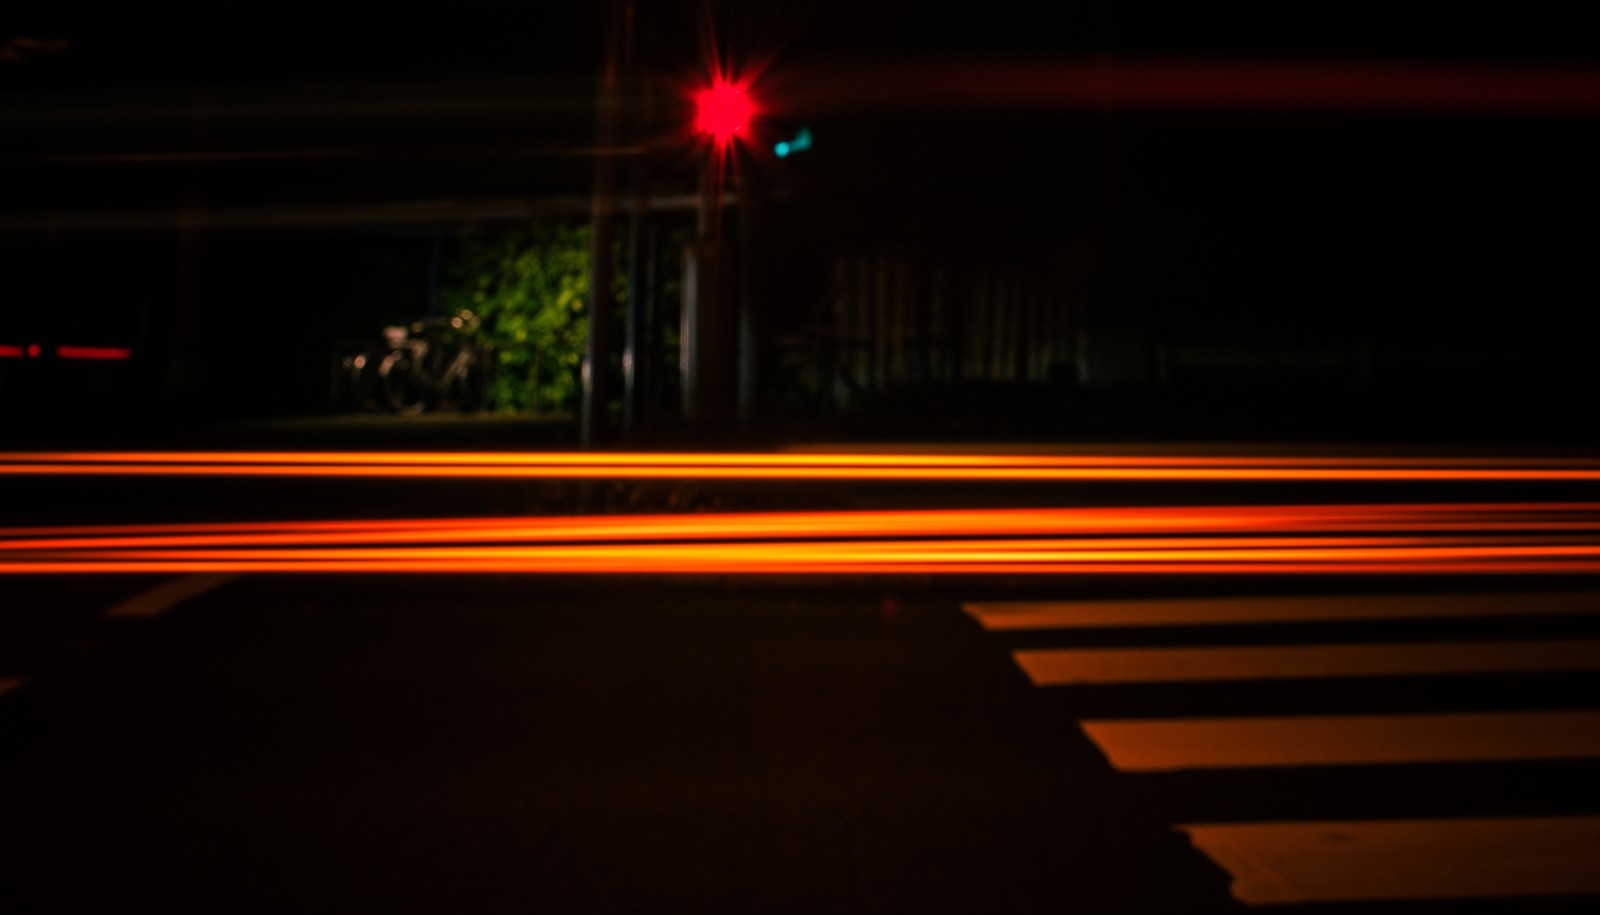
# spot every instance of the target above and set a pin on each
(1450, 248)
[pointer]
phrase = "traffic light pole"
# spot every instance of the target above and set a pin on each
(602, 228)
(709, 337)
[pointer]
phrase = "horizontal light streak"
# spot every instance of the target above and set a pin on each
(679, 567)
(102, 353)
(724, 472)
(67, 351)
(502, 534)
(912, 467)
(1090, 550)
(923, 568)
(646, 458)
(1509, 520)
(1054, 84)
(1300, 555)
(1448, 537)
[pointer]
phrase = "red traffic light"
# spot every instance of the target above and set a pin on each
(722, 111)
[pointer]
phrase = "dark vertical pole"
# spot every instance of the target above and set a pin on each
(689, 329)
(709, 370)
(649, 358)
(838, 331)
(635, 345)
(433, 274)
(749, 324)
(631, 333)
(602, 226)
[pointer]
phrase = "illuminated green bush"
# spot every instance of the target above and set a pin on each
(530, 290)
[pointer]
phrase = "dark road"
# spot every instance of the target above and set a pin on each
(505, 743)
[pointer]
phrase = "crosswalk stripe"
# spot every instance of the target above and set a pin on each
(1021, 615)
(1285, 863)
(1167, 745)
(1275, 863)
(167, 595)
(1062, 667)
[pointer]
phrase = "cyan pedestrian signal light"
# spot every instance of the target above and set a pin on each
(800, 143)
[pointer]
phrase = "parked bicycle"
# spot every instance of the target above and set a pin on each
(427, 366)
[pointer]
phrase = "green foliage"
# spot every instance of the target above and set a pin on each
(530, 289)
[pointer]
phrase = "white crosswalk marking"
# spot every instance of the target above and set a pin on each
(1021, 615)
(1343, 740)
(1061, 667)
(1276, 863)
(1283, 863)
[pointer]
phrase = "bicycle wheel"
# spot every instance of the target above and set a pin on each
(399, 385)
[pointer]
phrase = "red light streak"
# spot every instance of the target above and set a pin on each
(1064, 84)
(10, 352)
(115, 353)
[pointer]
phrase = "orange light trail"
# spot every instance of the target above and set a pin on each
(1432, 538)
(1317, 539)
(792, 562)
(1513, 517)
(878, 467)
(624, 458)
(578, 458)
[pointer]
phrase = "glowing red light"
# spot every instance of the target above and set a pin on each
(724, 110)
(33, 350)
(10, 352)
(90, 352)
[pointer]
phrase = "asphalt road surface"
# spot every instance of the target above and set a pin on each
(570, 744)
(433, 742)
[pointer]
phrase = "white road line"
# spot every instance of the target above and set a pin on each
(167, 595)
(1341, 740)
(1285, 863)
(1063, 667)
(1018, 615)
